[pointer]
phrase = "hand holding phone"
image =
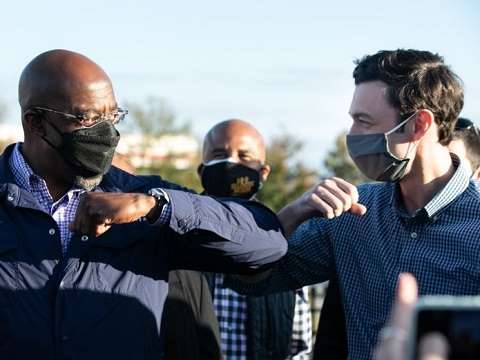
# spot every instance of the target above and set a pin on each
(455, 318)
(392, 343)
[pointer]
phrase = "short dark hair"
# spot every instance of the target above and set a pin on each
(469, 133)
(416, 80)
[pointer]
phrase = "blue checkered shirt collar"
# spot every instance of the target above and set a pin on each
(26, 178)
(454, 187)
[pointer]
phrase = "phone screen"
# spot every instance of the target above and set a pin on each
(460, 326)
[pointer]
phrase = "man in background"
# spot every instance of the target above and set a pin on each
(466, 144)
(268, 327)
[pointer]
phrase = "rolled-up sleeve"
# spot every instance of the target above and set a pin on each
(222, 236)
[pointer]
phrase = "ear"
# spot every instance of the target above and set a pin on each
(200, 170)
(264, 172)
(32, 121)
(424, 120)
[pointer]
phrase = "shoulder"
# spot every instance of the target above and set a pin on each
(375, 193)
(119, 180)
(470, 198)
(158, 181)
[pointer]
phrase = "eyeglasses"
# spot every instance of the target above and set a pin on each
(91, 119)
(464, 124)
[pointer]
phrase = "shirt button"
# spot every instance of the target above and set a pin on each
(10, 197)
(413, 235)
(62, 284)
(84, 238)
(51, 231)
(65, 338)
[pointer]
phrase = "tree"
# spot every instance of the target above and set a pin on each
(153, 120)
(156, 118)
(288, 178)
(338, 162)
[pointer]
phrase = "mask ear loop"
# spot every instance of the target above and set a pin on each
(395, 129)
(401, 124)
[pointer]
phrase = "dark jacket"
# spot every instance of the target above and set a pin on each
(331, 339)
(189, 324)
(269, 324)
(105, 299)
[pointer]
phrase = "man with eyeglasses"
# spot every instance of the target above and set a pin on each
(466, 144)
(85, 248)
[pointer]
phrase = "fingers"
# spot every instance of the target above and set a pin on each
(322, 206)
(97, 211)
(406, 297)
(348, 188)
(433, 346)
(89, 219)
(392, 338)
(358, 209)
(332, 197)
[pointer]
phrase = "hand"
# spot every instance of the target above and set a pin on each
(392, 344)
(330, 198)
(98, 211)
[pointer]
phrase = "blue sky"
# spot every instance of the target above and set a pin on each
(282, 65)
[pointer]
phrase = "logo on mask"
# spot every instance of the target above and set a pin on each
(224, 178)
(242, 185)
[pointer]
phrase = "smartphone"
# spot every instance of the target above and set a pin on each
(456, 317)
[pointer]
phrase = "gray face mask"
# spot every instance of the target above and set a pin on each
(373, 158)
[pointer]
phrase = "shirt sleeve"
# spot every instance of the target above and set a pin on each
(302, 326)
(309, 260)
(166, 213)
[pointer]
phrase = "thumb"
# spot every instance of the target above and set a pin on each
(358, 209)
(434, 346)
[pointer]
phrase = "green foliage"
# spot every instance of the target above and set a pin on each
(168, 171)
(3, 145)
(288, 178)
(155, 117)
(338, 162)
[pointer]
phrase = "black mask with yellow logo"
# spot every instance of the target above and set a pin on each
(223, 178)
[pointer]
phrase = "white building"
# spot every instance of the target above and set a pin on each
(142, 151)
(10, 133)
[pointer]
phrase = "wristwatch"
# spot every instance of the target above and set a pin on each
(160, 201)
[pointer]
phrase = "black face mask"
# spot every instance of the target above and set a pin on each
(228, 179)
(89, 151)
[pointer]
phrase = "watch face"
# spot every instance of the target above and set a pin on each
(159, 194)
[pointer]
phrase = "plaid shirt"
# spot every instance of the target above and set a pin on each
(231, 310)
(63, 210)
(439, 244)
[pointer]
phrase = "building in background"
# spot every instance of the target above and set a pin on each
(179, 150)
